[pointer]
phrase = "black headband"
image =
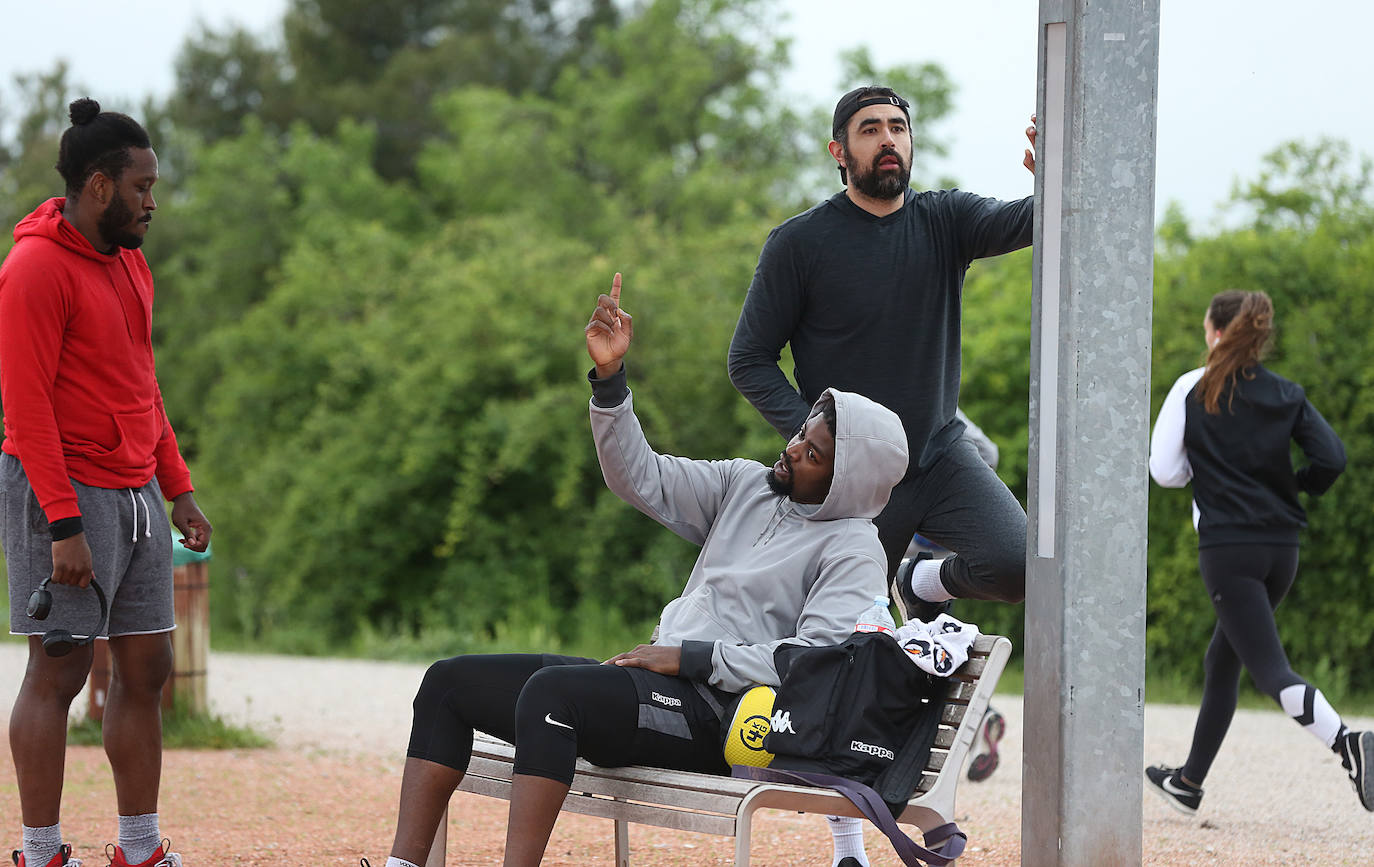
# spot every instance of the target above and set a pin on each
(851, 102)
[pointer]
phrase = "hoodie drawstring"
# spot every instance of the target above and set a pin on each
(774, 521)
(147, 522)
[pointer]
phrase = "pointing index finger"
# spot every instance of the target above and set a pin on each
(615, 290)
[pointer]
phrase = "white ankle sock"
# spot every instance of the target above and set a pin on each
(41, 843)
(848, 835)
(139, 837)
(393, 861)
(925, 581)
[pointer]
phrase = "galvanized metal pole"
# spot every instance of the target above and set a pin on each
(1089, 423)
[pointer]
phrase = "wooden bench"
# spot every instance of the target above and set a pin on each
(712, 804)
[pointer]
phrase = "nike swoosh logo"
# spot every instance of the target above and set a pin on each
(548, 718)
(1168, 786)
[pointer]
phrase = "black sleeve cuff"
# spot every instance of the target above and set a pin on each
(611, 391)
(695, 663)
(65, 528)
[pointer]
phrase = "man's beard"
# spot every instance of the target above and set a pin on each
(114, 225)
(779, 487)
(878, 183)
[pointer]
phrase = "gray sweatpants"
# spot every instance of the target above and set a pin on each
(961, 504)
(131, 553)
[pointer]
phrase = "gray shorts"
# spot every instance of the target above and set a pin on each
(131, 553)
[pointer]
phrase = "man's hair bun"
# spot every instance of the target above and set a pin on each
(83, 111)
(97, 141)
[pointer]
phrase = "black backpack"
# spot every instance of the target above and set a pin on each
(859, 717)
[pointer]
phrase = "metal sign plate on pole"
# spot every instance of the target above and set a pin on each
(1089, 432)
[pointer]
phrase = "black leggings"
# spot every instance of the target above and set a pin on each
(1246, 583)
(556, 708)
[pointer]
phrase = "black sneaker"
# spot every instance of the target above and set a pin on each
(1357, 751)
(848, 861)
(1168, 784)
(914, 607)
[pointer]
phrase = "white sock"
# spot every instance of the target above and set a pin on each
(41, 843)
(926, 583)
(848, 835)
(139, 837)
(1310, 709)
(393, 861)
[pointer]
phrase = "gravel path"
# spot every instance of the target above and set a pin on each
(341, 727)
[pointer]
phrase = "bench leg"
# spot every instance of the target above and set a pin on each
(622, 843)
(742, 836)
(440, 847)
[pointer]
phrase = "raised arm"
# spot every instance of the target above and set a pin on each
(683, 495)
(609, 332)
(991, 227)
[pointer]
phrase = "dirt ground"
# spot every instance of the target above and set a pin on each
(326, 795)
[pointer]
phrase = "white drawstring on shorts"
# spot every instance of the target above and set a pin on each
(147, 522)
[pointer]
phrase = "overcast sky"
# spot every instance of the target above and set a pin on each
(1235, 80)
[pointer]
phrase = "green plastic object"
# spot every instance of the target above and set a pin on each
(181, 555)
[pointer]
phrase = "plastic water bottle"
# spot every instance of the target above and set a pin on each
(876, 618)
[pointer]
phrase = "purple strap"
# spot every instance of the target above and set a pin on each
(872, 806)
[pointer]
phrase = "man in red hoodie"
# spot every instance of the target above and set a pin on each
(88, 456)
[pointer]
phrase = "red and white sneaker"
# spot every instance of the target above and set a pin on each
(990, 731)
(160, 858)
(63, 858)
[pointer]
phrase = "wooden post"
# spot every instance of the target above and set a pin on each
(190, 640)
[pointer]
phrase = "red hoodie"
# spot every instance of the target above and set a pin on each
(77, 382)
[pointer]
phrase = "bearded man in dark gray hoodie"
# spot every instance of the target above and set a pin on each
(789, 555)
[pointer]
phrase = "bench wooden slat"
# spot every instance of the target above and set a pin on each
(658, 815)
(983, 644)
(710, 794)
(960, 692)
(610, 781)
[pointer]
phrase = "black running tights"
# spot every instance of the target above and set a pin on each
(1246, 583)
(553, 708)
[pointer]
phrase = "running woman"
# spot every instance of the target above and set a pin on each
(1227, 428)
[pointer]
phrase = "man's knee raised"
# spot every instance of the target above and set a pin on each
(1010, 581)
(440, 677)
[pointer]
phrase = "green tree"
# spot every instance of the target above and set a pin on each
(395, 424)
(27, 177)
(378, 63)
(224, 77)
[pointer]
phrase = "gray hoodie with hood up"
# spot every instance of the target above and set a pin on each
(771, 571)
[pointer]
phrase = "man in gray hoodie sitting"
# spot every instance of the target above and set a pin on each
(789, 555)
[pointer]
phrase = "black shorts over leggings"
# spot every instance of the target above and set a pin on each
(556, 708)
